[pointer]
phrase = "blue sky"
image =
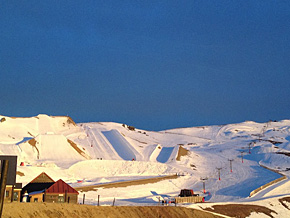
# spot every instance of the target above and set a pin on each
(151, 64)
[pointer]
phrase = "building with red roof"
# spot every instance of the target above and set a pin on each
(61, 192)
(45, 189)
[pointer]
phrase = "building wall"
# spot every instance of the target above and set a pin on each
(17, 195)
(73, 198)
(11, 174)
(36, 197)
(60, 198)
(8, 193)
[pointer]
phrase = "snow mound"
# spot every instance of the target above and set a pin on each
(107, 168)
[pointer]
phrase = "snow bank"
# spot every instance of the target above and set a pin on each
(107, 168)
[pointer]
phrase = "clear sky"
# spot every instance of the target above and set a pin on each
(151, 64)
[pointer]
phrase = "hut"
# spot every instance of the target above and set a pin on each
(61, 192)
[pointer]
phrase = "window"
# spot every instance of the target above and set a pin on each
(35, 199)
(7, 194)
(60, 199)
(15, 196)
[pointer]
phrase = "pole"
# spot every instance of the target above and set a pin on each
(44, 195)
(3, 180)
(231, 167)
(114, 202)
(12, 193)
(98, 200)
(219, 170)
(84, 196)
(65, 196)
(203, 181)
(242, 156)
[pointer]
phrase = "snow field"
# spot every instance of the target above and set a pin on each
(210, 148)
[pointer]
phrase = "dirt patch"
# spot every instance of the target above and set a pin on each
(132, 128)
(51, 210)
(274, 142)
(181, 152)
(20, 173)
(285, 153)
(30, 134)
(193, 166)
(32, 142)
(125, 183)
(240, 210)
(74, 145)
(70, 121)
(24, 117)
(283, 200)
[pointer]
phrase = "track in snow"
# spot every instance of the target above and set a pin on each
(122, 147)
(244, 187)
(101, 146)
(164, 154)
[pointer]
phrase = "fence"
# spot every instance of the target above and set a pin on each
(269, 183)
(192, 199)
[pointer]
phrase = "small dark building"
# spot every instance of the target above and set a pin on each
(44, 189)
(13, 189)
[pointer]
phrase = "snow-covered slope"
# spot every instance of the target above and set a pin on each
(103, 152)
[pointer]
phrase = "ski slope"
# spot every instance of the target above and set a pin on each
(121, 146)
(165, 154)
(102, 152)
(101, 146)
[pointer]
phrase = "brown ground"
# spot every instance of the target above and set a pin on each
(283, 200)
(31, 134)
(77, 149)
(23, 117)
(181, 152)
(285, 153)
(47, 210)
(70, 121)
(32, 142)
(240, 210)
(18, 173)
(125, 183)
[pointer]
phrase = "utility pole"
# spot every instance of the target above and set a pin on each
(219, 170)
(231, 167)
(3, 180)
(242, 155)
(250, 147)
(203, 181)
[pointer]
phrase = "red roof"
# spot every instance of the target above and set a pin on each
(61, 187)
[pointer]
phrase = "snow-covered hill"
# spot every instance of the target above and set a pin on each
(103, 152)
